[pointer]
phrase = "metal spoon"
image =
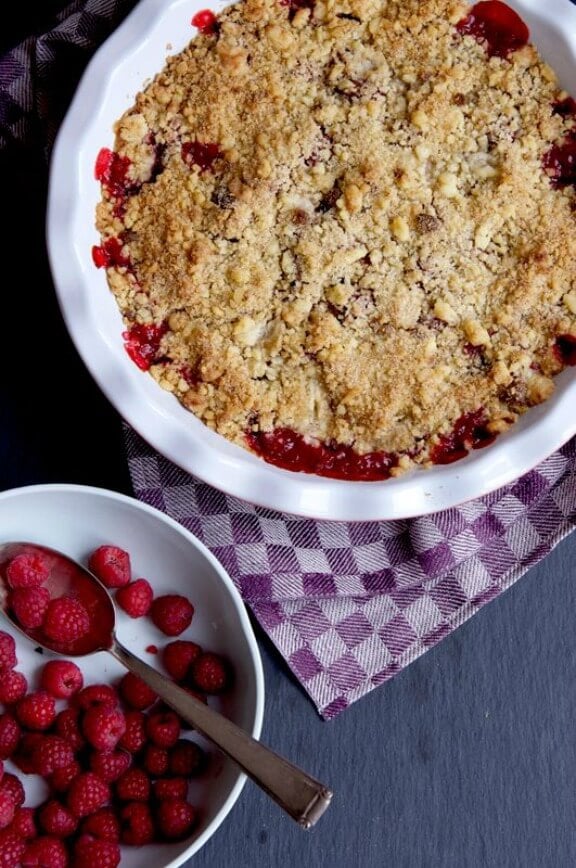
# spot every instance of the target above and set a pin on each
(300, 795)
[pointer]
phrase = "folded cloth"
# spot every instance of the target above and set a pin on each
(347, 605)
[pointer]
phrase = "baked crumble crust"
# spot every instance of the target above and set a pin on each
(358, 240)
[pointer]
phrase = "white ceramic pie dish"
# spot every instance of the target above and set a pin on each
(133, 55)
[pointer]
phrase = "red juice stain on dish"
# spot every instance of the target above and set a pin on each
(205, 21)
(497, 26)
(152, 649)
(142, 343)
(201, 154)
(66, 579)
(565, 349)
(290, 450)
(109, 254)
(469, 432)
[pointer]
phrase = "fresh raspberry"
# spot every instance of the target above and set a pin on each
(67, 726)
(136, 824)
(13, 686)
(23, 757)
(186, 759)
(45, 852)
(178, 656)
(172, 614)
(29, 606)
(210, 673)
(135, 598)
(61, 780)
(136, 692)
(94, 851)
(111, 565)
(36, 710)
(14, 787)
(7, 651)
(61, 678)
(109, 765)
(7, 808)
(176, 818)
(87, 793)
(10, 733)
(104, 727)
(134, 738)
(24, 824)
(163, 728)
(55, 819)
(51, 753)
(103, 825)
(155, 760)
(97, 694)
(133, 786)
(66, 620)
(170, 788)
(12, 849)
(27, 571)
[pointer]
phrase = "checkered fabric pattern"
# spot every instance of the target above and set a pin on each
(347, 605)
(350, 605)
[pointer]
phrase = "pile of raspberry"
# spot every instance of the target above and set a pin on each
(113, 757)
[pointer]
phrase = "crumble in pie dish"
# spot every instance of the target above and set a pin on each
(341, 232)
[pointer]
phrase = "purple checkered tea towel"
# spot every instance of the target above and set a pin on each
(347, 605)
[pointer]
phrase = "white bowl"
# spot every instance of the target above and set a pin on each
(77, 519)
(131, 57)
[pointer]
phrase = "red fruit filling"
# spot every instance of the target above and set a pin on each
(201, 154)
(497, 26)
(109, 254)
(469, 432)
(142, 343)
(565, 107)
(560, 163)
(205, 21)
(290, 450)
(565, 349)
(295, 5)
(112, 171)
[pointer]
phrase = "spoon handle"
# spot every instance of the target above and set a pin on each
(300, 795)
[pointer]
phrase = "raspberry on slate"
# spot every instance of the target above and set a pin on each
(66, 620)
(61, 678)
(163, 728)
(133, 786)
(12, 849)
(136, 824)
(89, 850)
(111, 565)
(186, 759)
(27, 570)
(13, 686)
(45, 852)
(10, 733)
(136, 692)
(13, 785)
(134, 738)
(176, 818)
(135, 598)
(103, 825)
(7, 808)
(24, 824)
(55, 819)
(109, 765)
(155, 760)
(29, 606)
(178, 656)
(170, 788)
(104, 727)
(67, 726)
(36, 710)
(7, 651)
(172, 614)
(86, 794)
(51, 752)
(61, 780)
(210, 673)
(97, 694)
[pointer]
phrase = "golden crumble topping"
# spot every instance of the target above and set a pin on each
(345, 219)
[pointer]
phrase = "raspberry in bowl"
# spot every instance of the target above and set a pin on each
(57, 711)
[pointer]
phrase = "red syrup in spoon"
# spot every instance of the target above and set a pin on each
(497, 26)
(63, 579)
